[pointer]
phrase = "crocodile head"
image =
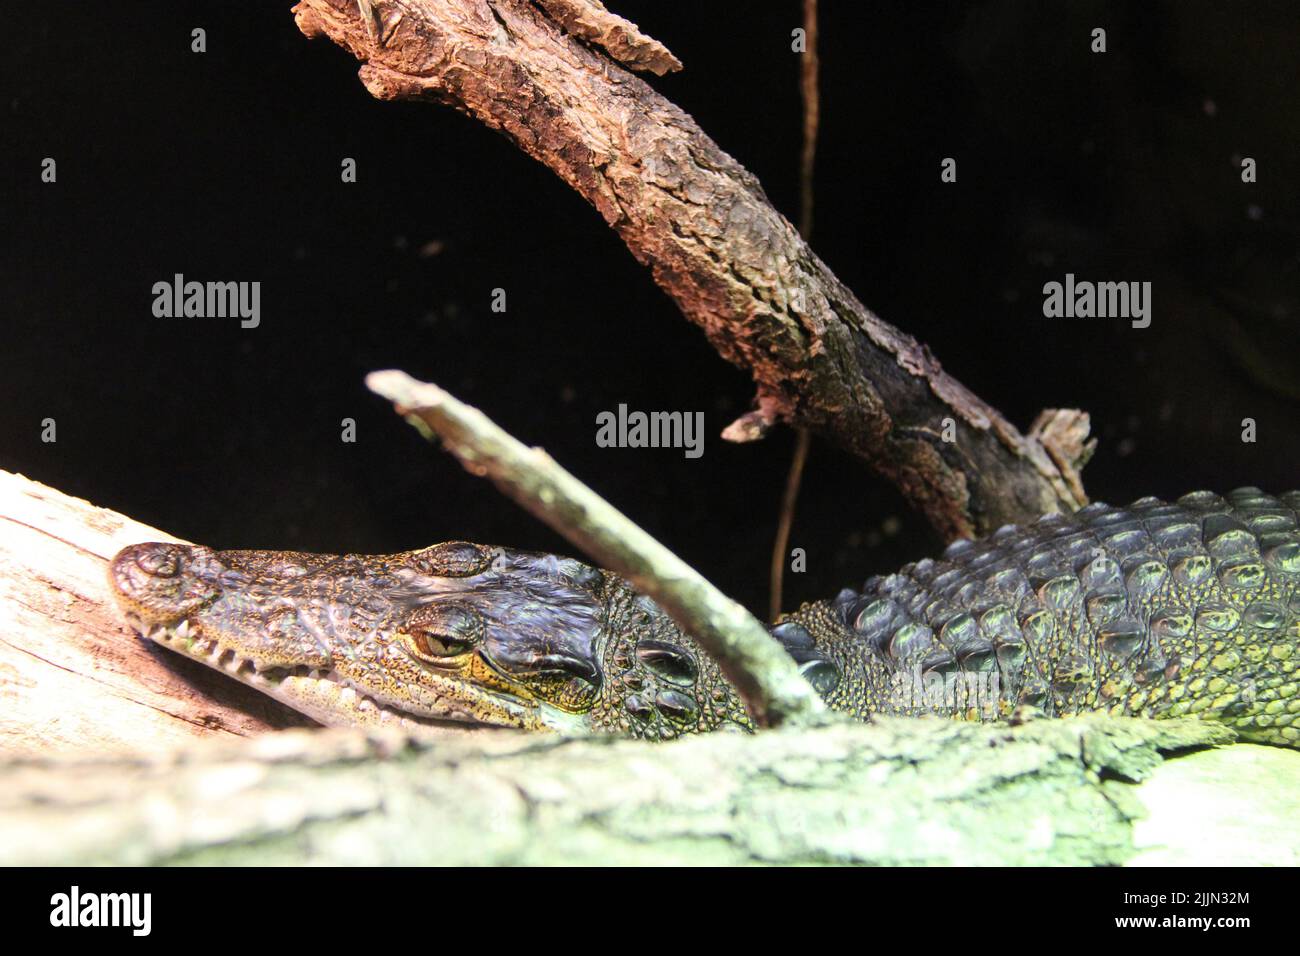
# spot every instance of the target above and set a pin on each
(455, 632)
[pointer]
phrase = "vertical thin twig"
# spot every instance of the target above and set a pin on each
(811, 95)
(788, 502)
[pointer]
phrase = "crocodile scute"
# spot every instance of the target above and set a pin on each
(1156, 609)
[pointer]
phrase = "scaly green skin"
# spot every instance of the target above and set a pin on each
(1156, 609)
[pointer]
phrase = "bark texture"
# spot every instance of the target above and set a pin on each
(902, 792)
(621, 39)
(73, 677)
(703, 226)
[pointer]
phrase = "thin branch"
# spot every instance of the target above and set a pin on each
(765, 675)
(732, 263)
(811, 96)
(780, 544)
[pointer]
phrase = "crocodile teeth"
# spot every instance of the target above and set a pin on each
(182, 630)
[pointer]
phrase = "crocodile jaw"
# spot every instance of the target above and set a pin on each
(330, 698)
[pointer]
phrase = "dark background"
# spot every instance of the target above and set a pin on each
(225, 166)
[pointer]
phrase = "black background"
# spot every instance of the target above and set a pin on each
(225, 166)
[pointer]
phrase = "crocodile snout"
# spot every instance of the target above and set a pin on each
(159, 582)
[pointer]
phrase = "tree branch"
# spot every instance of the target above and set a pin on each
(621, 39)
(713, 242)
(901, 792)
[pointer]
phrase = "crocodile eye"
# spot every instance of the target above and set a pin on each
(437, 632)
(583, 575)
(159, 560)
(432, 645)
(451, 559)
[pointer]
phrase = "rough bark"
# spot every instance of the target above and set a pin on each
(713, 242)
(73, 677)
(621, 39)
(903, 792)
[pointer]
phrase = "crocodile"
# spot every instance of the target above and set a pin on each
(1158, 609)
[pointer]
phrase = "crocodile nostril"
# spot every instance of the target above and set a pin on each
(157, 560)
(135, 569)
